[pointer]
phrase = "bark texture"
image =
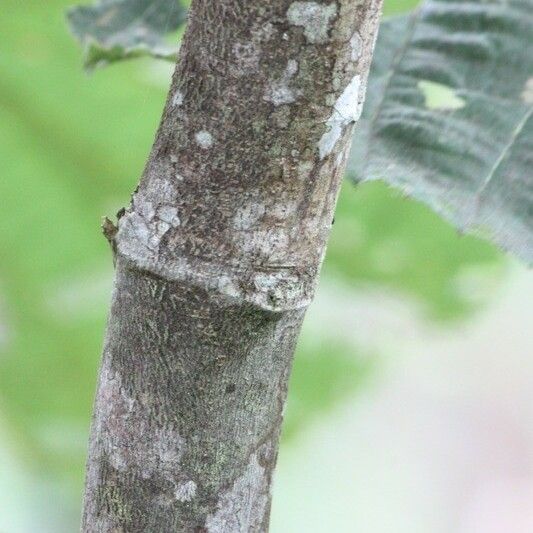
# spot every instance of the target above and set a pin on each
(217, 258)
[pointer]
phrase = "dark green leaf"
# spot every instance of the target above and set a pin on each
(448, 117)
(118, 29)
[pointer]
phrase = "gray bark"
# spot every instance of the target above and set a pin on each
(217, 258)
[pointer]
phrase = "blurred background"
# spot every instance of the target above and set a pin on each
(410, 405)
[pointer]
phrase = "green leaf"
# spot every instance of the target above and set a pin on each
(448, 117)
(112, 30)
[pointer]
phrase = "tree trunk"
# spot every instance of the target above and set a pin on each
(217, 258)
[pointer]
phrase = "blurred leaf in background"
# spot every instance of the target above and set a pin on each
(73, 148)
(383, 238)
(124, 29)
(449, 116)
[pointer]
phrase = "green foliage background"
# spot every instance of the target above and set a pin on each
(72, 148)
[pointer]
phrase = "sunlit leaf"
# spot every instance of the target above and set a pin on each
(440, 97)
(449, 115)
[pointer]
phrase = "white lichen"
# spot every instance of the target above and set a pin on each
(347, 109)
(242, 508)
(121, 430)
(177, 99)
(356, 45)
(204, 139)
(315, 19)
(305, 168)
(278, 285)
(149, 229)
(265, 32)
(279, 92)
(153, 215)
(228, 286)
(185, 492)
(169, 214)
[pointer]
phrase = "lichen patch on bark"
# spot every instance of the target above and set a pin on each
(122, 433)
(186, 491)
(242, 508)
(279, 92)
(204, 139)
(346, 110)
(177, 99)
(356, 44)
(154, 214)
(315, 18)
